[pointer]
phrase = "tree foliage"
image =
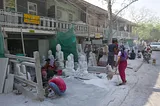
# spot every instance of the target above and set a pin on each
(148, 26)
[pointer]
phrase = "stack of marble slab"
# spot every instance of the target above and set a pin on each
(97, 69)
(9, 83)
(3, 72)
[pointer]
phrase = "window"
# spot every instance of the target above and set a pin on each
(70, 17)
(51, 11)
(59, 14)
(32, 8)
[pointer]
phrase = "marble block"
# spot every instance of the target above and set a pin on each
(3, 72)
(9, 83)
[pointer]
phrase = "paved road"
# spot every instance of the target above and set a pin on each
(143, 88)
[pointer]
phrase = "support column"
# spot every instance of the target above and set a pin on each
(40, 90)
(110, 21)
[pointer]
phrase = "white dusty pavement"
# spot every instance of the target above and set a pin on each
(142, 89)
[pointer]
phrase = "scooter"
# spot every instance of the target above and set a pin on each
(146, 56)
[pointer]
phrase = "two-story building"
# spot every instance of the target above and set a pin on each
(36, 21)
(97, 19)
(65, 11)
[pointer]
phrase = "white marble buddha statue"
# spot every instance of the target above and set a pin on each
(69, 68)
(49, 53)
(51, 57)
(72, 57)
(82, 65)
(59, 57)
(43, 61)
(92, 59)
(51, 60)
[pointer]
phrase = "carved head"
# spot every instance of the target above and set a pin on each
(72, 56)
(90, 54)
(109, 68)
(69, 58)
(82, 58)
(43, 57)
(51, 57)
(49, 52)
(58, 47)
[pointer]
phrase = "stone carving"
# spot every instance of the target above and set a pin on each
(43, 61)
(69, 69)
(82, 68)
(59, 57)
(51, 57)
(49, 53)
(72, 57)
(20, 70)
(92, 59)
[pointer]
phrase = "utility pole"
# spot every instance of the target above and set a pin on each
(110, 17)
(109, 21)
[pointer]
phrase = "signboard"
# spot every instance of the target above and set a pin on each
(31, 31)
(31, 19)
(98, 42)
(98, 35)
(10, 5)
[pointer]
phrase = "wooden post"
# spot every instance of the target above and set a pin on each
(22, 39)
(40, 90)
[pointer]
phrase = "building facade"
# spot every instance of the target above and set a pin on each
(97, 19)
(31, 19)
(38, 20)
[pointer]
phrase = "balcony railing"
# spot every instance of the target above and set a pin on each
(94, 29)
(16, 20)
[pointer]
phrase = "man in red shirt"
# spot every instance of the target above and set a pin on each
(58, 85)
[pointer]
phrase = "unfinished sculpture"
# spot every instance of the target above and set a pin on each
(51, 57)
(110, 72)
(92, 59)
(51, 60)
(72, 57)
(49, 53)
(59, 57)
(80, 51)
(69, 68)
(20, 70)
(82, 65)
(43, 61)
(23, 70)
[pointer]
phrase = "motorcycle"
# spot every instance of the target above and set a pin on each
(149, 49)
(146, 55)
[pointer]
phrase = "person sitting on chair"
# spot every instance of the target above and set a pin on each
(132, 55)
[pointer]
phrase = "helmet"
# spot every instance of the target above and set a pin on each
(122, 47)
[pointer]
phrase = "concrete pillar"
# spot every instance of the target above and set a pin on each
(43, 46)
(40, 90)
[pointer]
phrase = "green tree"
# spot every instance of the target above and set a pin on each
(148, 26)
(10, 3)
